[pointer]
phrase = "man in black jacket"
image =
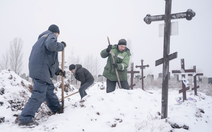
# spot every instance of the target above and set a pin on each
(82, 75)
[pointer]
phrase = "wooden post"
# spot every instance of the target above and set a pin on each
(117, 75)
(63, 81)
(195, 80)
(142, 67)
(132, 75)
(166, 48)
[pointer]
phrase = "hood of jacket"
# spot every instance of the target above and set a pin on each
(77, 67)
(44, 33)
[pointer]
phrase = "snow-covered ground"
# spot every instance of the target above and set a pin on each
(119, 111)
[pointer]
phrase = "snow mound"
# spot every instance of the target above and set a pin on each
(126, 111)
(14, 93)
(122, 110)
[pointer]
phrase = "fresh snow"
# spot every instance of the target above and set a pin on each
(119, 111)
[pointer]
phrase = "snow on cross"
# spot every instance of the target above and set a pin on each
(183, 71)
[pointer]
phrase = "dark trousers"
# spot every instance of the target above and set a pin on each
(111, 85)
(83, 88)
(41, 91)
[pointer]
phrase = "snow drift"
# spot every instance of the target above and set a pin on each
(119, 111)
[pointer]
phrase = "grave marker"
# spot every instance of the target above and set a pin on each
(183, 71)
(195, 80)
(142, 67)
(189, 14)
(132, 75)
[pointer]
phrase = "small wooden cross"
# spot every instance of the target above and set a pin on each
(183, 71)
(132, 75)
(142, 67)
(195, 80)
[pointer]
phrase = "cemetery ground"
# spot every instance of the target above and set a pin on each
(120, 111)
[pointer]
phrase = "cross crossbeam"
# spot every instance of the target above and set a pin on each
(189, 14)
(170, 57)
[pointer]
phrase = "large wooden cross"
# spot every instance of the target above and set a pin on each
(142, 67)
(132, 75)
(195, 80)
(183, 71)
(189, 14)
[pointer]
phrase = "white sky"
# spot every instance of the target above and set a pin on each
(85, 25)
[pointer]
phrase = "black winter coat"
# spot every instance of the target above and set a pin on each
(82, 74)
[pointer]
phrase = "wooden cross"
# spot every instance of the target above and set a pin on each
(166, 48)
(142, 67)
(183, 71)
(195, 80)
(132, 75)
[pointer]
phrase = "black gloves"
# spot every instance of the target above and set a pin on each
(109, 47)
(64, 44)
(62, 73)
(115, 65)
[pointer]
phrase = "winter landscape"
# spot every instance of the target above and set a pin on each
(182, 62)
(119, 111)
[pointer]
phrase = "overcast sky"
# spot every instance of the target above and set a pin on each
(85, 24)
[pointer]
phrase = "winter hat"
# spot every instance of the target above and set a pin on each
(54, 28)
(122, 42)
(71, 67)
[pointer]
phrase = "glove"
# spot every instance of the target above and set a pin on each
(62, 73)
(64, 44)
(109, 47)
(115, 65)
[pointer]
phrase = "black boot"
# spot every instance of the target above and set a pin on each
(60, 110)
(29, 124)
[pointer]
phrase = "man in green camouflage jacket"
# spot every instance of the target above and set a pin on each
(122, 57)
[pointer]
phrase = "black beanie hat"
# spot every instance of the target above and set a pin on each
(71, 67)
(122, 42)
(54, 28)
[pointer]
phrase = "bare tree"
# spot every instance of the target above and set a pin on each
(92, 64)
(73, 59)
(16, 55)
(89, 63)
(98, 67)
(5, 62)
(1, 67)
